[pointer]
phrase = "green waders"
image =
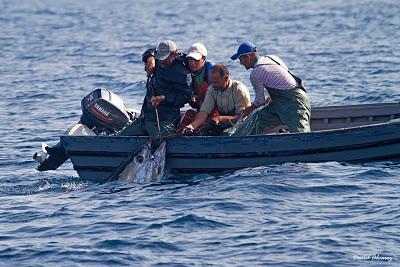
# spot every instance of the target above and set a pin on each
(289, 107)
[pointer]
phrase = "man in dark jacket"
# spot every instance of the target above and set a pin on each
(169, 88)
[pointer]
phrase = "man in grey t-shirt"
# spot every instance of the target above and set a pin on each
(229, 96)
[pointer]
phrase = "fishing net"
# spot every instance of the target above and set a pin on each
(251, 126)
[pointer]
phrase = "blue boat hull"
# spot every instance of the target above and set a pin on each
(96, 157)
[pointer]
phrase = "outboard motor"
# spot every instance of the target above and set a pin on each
(104, 113)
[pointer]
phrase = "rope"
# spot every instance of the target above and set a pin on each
(158, 122)
(155, 108)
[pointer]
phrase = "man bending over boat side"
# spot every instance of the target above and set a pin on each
(230, 97)
(169, 88)
(289, 105)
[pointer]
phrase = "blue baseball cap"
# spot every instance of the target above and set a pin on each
(244, 48)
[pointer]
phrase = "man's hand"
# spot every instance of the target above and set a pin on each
(188, 130)
(156, 100)
(248, 110)
(150, 65)
(216, 119)
(195, 102)
(268, 100)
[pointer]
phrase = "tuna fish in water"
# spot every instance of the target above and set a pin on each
(146, 166)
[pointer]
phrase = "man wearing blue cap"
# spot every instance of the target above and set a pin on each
(289, 100)
(169, 87)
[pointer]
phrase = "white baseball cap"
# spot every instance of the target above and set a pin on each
(197, 51)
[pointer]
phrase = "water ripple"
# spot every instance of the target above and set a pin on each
(323, 214)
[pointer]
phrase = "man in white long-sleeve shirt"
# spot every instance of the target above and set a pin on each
(289, 100)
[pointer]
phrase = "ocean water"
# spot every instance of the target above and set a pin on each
(52, 53)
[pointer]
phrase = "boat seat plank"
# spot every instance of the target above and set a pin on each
(365, 110)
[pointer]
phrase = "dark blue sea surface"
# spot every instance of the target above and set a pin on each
(52, 53)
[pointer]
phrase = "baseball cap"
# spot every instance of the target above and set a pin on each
(197, 51)
(164, 49)
(244, 48)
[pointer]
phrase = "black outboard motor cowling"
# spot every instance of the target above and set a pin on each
(104, 111)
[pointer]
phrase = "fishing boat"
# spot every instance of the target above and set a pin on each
(349, 133)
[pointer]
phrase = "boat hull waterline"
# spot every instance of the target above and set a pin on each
(96, 157)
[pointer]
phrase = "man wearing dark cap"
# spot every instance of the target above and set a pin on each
(169, 87)
(289, 100)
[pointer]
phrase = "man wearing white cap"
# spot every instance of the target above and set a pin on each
(169, 87)
(200, 68)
